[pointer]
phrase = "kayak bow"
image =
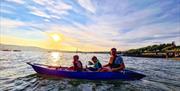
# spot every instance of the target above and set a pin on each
(63, 72)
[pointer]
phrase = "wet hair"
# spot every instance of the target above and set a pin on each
(94, 57)
(113, 49)
(76, 56)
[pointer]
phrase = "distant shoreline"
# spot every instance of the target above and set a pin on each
(174, 58)
(127, 55)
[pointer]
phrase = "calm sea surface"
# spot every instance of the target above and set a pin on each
(16, 75)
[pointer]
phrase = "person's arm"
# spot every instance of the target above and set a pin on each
(121, 67)
(100, 66)
(110, 62)
(106, 65)
(80, 65)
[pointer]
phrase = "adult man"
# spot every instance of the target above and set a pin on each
(115, 63)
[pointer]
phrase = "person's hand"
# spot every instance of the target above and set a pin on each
(99, 70)
(112, 70)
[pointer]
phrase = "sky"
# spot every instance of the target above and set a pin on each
(89, 25)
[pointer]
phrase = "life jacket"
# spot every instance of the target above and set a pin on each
(116, 62)
(97, 65)
(77, 66)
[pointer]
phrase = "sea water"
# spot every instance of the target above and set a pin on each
(16, 75)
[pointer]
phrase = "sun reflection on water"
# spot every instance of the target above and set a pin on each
(55, 58)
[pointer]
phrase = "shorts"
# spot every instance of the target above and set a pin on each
(105, 69)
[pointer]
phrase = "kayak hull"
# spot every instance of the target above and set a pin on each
(123, 75)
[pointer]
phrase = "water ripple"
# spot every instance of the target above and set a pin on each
(16, 75)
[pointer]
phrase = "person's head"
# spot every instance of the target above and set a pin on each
(94, 59)
(113, 51)
(76, 57)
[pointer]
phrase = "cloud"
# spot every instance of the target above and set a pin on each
(20, 29)
(108, 31)
(4, 23)
(5, 11)
(13, 40)
(101, 24)
(51, 9)
(37, 12)
(40, 2)
(152, 30)
(88, 5)
(16, 1)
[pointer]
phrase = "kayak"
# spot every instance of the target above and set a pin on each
(65, 72)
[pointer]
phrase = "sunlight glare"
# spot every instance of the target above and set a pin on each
(55, 56)
(55, 37)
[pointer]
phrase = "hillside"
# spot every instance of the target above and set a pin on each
(20, 48)
(156, 48)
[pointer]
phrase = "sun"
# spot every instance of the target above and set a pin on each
(55, 37)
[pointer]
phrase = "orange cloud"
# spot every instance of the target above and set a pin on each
(47, 44)
(22, 42)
